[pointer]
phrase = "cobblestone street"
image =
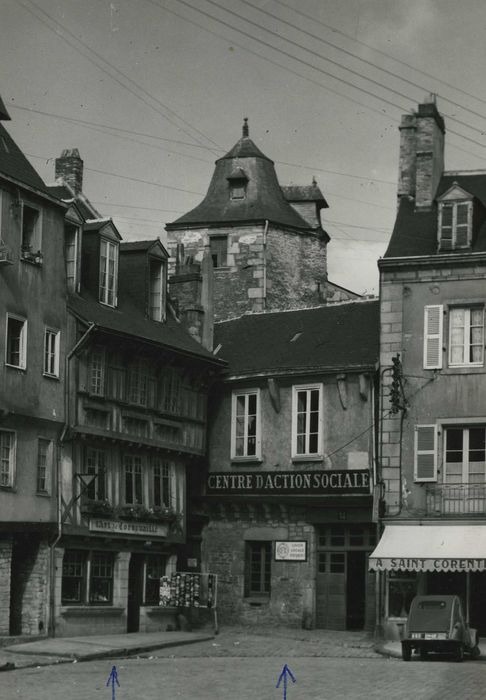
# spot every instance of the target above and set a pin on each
(244, 664)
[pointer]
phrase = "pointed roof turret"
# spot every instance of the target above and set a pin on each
(260, 198)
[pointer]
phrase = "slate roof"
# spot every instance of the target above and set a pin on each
(304, 193)
(4, 115)
(415, 232)
(128, 246)
(14, 164)
(127, 320)
(329, 338)
(264, 197)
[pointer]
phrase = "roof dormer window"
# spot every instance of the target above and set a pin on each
(156, 289)
(455, 219)
(108, 272)
(238, 181)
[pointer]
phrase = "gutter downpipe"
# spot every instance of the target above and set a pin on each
(52, 568)
(265, 231)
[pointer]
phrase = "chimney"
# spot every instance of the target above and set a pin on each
(69, 167)
(421, 153)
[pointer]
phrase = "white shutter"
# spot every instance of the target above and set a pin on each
(425, 463)
(433, 316)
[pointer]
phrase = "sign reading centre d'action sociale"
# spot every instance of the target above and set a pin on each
(349, 482)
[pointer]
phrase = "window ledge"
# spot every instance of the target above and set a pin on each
(32, 258)
(90, 610)
(17, 367)
(247, 460)
(257, 600)
(12, 489)
(160, 610)
(56, 377)
(307, 458)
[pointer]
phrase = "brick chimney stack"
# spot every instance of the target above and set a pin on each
(69, 167)
(421, 154)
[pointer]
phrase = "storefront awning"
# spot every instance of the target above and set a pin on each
(439, 548)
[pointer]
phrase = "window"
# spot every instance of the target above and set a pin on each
(155, 569)
(97, 372)
(31, 230)
(246, 440)
(401, 589)
(156, 290)
(238, 189)
(95, 465)
(455, 219)
(138, 384)
(16, 344)
(51, 352)
(108, 272)
(101, 578)
(73, 575)
(133, 480)
(465, 460)
(87, 577)
(97, 418)
(161, 484)
(218, 246)
(258, 568)
(135, 426)
(306, 421)
(44, 462)
(7, 458)
(71, 256)
(466, 336)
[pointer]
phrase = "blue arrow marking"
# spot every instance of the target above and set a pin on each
(113, 678)
(286, 672)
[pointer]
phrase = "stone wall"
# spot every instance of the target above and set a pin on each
(292, 596)
(5, 569)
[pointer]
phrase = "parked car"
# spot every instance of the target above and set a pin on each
(436, 623)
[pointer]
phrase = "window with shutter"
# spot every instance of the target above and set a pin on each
(433, 316)
(425, 467)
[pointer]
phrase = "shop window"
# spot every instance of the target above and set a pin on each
(258, 559)
(155, 569)
(337, 564)
(97, 372)
(51, 352)
(101, 578)
(133, 480)
(44, 465)
(156, 289)
(246, 433)
(95, 465)
(466, 336)
(8, 444)
(218, 246)
(401, 589)
(73, 577)
(161, 482)
(306, 421)
(108, 272)
(16, 342)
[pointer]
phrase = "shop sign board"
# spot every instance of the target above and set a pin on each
(315, 483)
(128, 528)
(291, 551)
(417, 564)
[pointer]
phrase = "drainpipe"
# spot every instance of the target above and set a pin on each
(265, 231)
(52, 547)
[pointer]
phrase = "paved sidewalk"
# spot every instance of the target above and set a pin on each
(72, 649)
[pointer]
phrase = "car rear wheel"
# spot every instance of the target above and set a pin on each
(475, 652)
(423, 654)
(406, 651)
(459, 655)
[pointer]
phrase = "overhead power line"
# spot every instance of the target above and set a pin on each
(335, 30)
(89, 52)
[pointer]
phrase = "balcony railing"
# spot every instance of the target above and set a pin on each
(457, 499)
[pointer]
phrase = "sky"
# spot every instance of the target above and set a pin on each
(151, 92)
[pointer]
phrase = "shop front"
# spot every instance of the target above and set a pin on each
(431, 559)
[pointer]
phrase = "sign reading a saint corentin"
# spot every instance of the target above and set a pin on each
(291, 551)
(332, 482)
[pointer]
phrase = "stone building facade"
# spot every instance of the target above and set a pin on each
(433, 422)
(33, 340)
